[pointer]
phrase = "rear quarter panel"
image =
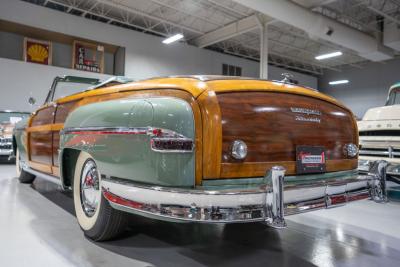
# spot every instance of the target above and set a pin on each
(130, 156)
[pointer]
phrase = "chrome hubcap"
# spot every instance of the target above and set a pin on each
(90, 188)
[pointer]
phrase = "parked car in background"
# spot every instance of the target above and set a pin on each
(208, 149)
(8, 119)
(380, 134)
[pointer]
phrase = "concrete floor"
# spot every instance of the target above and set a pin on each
(38, 228)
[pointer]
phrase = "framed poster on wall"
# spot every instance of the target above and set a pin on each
(37, 51)
(88, 57)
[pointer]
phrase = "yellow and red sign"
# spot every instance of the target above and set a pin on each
(37, 51)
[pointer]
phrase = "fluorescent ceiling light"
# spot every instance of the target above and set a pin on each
(172, 39)
(325, 56)
(338, 82)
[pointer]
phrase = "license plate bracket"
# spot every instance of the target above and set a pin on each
(310, 159)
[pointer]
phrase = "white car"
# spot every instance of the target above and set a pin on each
(380, 134)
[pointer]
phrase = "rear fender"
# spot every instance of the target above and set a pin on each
(129, 156)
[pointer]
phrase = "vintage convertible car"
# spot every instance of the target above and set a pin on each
(209, 149)
(8, 119)
(380, 135)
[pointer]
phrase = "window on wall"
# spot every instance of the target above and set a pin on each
(230, 70)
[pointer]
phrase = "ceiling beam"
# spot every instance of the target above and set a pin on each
(110, 20)
(126, 8)
(181, 9)
(393, 19)
(321, 27)
(231, 30)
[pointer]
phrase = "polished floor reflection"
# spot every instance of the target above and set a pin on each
(38, 228)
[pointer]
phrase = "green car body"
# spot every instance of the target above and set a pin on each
(130, 156)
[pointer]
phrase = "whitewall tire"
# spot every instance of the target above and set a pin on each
(98, 220)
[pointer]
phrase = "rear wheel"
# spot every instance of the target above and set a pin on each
(23, 176)
(98, 220)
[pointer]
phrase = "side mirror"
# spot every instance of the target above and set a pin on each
(31, 101)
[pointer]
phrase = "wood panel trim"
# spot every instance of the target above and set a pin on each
(212, 134)
(55, 171)
(46, 128)
(40, 167)
(257, 169)
(198, 142)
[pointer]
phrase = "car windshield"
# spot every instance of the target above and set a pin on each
(12, 117)
(394, 97)
(69, 88)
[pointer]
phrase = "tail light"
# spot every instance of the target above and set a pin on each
(350, 150)
(163, 140)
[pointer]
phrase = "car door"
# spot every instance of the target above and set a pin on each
(40, 139)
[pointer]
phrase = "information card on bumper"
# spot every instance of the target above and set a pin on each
(310, 159)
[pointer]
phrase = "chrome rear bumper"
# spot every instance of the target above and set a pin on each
(268, 203)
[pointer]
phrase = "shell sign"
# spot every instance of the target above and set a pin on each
(37, 51)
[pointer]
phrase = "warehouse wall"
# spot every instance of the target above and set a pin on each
(145, 55)
(20, 80)
(368, 87)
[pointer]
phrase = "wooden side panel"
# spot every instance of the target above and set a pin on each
(40, 138)
(212, 134)
(40, 147)
(43, 116)
(63, 110)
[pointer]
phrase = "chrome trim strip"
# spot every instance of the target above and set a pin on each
(133, 130)
(150, 131)
(124, 182)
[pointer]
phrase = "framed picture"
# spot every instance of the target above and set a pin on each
(88, 57)
(37, 51)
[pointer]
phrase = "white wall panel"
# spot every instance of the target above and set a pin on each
(368, 86)
(19, 80)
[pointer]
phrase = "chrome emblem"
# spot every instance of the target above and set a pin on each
(308, 112)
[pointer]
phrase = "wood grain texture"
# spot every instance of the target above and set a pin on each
(41, 147)
(40, 136)
(257, 169)
(267, 124)
(212, 134)
(55, 171)
(45, 168)
(63, 111)
(43, 116)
